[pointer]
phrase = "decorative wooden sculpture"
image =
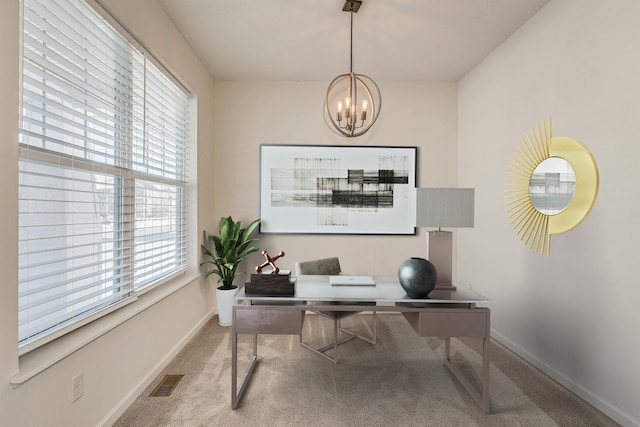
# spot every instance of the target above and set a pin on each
(276, 283)
(270, 261)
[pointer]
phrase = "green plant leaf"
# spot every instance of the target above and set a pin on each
(227, 249)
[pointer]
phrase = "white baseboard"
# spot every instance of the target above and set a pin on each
(596, 401)
(127, 400)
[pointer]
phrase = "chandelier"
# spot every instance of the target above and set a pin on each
(353, 101)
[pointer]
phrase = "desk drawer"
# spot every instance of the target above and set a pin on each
(450, 322)
(254, 320)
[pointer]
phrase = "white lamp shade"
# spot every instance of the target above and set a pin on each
(445, 207)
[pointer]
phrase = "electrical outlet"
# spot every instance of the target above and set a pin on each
(78, 386)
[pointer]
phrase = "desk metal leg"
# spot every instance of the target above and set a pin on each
(255, 320)
(235, 394)
(481, 397)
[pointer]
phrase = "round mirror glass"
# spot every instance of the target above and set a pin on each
(552, 185)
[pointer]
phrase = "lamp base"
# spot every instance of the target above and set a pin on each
(440, 250)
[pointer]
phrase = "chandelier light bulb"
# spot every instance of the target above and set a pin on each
(363, 114)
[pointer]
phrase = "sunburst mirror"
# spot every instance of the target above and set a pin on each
(552, 184)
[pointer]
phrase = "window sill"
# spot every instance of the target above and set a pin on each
(38, 360)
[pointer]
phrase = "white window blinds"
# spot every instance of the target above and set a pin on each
(102, 184)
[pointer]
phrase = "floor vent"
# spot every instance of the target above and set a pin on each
(166, 386)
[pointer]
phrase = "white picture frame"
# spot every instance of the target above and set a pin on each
(318, 189)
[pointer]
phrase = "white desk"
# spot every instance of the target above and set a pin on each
(444, 314)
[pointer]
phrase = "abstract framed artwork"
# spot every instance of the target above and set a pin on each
(319, 189)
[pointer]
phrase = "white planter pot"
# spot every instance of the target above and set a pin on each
(224, 299)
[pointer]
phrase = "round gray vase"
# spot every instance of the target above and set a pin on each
(417, 277)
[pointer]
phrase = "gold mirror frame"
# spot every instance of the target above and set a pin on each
(532, 226)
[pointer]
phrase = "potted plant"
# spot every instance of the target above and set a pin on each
(223, 253)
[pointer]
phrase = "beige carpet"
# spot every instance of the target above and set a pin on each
(401, 381)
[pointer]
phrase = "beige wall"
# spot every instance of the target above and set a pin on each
(574, 313)
(119, 363)
(248, 114)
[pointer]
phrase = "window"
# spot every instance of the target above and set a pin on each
(102, 173)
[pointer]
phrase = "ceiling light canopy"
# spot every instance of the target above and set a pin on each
(353, 101)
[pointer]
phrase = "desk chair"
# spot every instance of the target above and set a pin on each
(331, 266)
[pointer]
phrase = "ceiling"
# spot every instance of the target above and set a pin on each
(308, 40)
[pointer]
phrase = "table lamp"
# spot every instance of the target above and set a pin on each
(443, 207)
